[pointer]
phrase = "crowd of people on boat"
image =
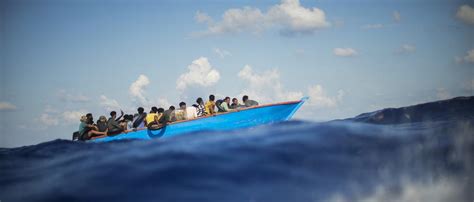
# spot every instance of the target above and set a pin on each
(157, 117)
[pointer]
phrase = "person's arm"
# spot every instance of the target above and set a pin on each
(121, 114)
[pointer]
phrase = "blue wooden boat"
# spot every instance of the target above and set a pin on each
(243, 118)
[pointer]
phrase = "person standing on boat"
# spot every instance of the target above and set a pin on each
(225, 105)
(139, 119)
(201, 109)
(249, 103)
(210, 105)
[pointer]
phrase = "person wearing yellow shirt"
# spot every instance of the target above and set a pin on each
(152, 120)
(210, 105)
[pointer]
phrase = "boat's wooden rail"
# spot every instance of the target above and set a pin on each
(218, 114)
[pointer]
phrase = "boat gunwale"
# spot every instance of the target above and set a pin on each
(209, 116)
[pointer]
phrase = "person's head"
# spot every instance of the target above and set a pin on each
(182, 105)
(140, 110)
(227, 99)
(199, 101)
(161, 110)
(89, 115)
(83, 118)
(245, 98)
(235, 101)
(172, 107)
(128, 117)
(102, 119)
(212, 97)
(154, 110)
(113, 114)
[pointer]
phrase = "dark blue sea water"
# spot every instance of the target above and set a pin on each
(388, 155)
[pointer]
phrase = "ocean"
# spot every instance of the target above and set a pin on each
(416, 153)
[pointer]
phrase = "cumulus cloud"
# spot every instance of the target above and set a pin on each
(6, 106)
(70, 97)
(266, 87)
(344, 52)
(468, 58)
(442, 94)
(137, 88)
(200, 73)
(373, 26)
(222, 53)
(319, 98)
(396, 16)
(109, 104)
(289, 16)
(52, 117)
(466, 14)
(406, 49)
(72, 116)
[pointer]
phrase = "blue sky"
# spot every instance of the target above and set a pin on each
(60, 59)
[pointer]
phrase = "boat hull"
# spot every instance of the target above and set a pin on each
(244, 118)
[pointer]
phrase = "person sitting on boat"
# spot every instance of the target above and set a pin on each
(249, 103)
(161, 114)
(152, 119)
(201, 109)
(180, 113)
(235, 104)
(102, 124)
(90, 119)
(191, 113)
(225, 105)
(169, 115)
(86, 131)
(139, 119)
(210, 105)
(113, 125)
(126, 123)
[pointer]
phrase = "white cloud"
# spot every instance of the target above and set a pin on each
(48, 120)
(466, 14)
(200, 73)
(70, 117)
(109, 104)
(293, 17)
(396, 16)
(319, 99)
(266, 86)
(203, 18)
(468, 58)
(442, 94)
(137, 88)
(373, 26)
(289, 16)
(222, 53)
(70, 97)
(6, 106)
(344, 52)
(406, 49)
